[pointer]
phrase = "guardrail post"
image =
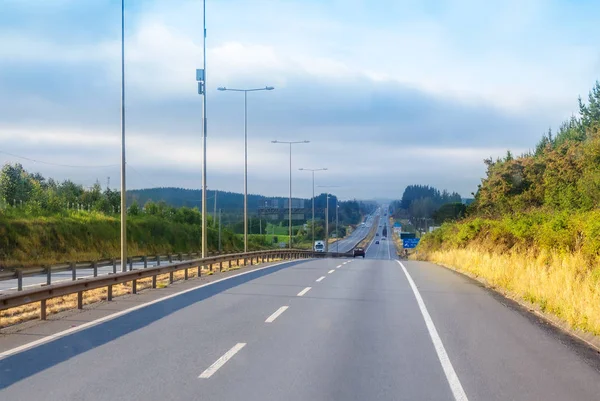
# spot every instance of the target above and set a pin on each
(145, 261)
(130, 264)
(245, 261)
(220, 266)
(48, 275)
(134, 286)
(43, 309)
(19, 280)
(157, 260)
(199, 270)
(114, 263)
(170, 277)
(73, 271)
(251, 260)
(170, 258)
(180, 256)
(80, 300)
(109, 295)
(95, 267)
(154, 281)
(185, 274)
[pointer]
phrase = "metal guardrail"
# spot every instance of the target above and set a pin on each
(45, 292)
(19, 273)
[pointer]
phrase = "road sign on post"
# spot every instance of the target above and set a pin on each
(410, 243)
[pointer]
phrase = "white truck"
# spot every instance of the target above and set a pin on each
(319, 246)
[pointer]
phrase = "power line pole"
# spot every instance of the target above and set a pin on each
(220, 231)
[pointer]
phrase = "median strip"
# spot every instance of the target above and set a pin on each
(276, 314)
(304, 291)
(221, 361)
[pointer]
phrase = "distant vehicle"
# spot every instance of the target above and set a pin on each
(359, 251)
(383, 238)
(319, 246)
(376, 242)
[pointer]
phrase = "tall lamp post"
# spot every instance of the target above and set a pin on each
(201, 79)
(123, 165)
(327, 215)
(337, 227)
(223, 89)
(312, 170)
(290, 199)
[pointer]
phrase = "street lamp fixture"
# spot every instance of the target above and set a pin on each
(223, 89)
(290, 199)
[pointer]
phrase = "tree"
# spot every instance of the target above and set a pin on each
(449, 212)
(15, 185)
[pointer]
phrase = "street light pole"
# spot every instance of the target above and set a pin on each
(313, 198)
(326, 222)
(337, 230)
(123, 165)
(223, 89)
(290, 199)
(201, 78)
(327, 215)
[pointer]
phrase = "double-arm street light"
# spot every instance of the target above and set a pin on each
(312, 170)
(290, 199)
(223, 89)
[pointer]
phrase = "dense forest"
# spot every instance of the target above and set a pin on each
(534, 227)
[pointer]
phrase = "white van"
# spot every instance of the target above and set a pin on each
(319, 246)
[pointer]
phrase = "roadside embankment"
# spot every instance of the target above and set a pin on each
(549, 261)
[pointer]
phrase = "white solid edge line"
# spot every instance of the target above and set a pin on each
(330, 271)
(63, 333)
(320, 278)
(221, 361)
(457, 390)
(304, 291)
(276, 314)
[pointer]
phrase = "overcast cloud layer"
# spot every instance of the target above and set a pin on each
(390, 93)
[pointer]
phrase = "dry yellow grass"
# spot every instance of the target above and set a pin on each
(560, 284)
(31, 311)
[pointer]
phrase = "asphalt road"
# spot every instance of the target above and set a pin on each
(353, 329)
(348, 243)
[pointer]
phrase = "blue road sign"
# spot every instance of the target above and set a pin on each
(396, 224)
(410, 243)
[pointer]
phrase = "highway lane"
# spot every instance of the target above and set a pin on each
(353, 329)
(385, 249)
(348, 243)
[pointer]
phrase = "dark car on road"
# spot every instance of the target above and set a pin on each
(359, 251)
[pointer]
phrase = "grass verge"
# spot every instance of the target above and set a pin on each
(558, 283)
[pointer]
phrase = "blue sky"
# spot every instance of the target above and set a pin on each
(390, 93)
